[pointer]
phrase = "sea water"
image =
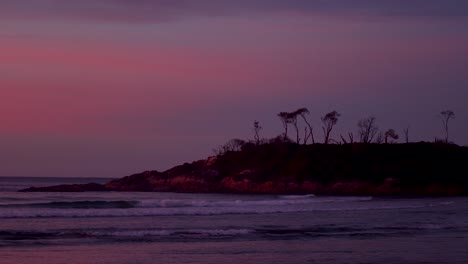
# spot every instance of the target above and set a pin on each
(131, 227)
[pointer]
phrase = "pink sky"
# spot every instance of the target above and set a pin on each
(82, 96)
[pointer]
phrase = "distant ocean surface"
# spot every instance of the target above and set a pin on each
(124, 228)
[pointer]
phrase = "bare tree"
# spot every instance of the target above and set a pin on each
(257, 129)
(446, 116)
(367, 129)
(286, 119)
(343, 140)
(406, 131)
(351, 138)
(380, 138)
(329, 121)
(392, 135)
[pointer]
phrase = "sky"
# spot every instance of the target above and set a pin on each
(108, 88)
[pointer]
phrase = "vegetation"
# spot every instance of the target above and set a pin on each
(446, 116)
(374, 159)
(413, 165)
(323, 169)
(329, 121)
(376, 165)
(368, 131)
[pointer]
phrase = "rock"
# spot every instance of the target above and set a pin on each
(231, 185)
(209, 174)
(187, 184)
(210, 161)
(247, 172)
(136, 182)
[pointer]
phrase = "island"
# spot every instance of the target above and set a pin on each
(420, 169)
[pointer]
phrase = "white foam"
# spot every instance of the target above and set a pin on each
(282, 200)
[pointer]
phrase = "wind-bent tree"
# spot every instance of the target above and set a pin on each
(329, 121)
(367, 129)
(446, 116)
(286, 119)
(293, 118)
(303, 112)
(392, 135)
(257, 129)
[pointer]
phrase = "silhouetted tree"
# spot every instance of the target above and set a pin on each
(343, 140)
(379, 139)
(329, 121)
(286, 119)
(391, 134)
(307, 134)
(293, 118)
(257, 129)
(446, 116)
(350, 138)
(367, 129)
(406, 131)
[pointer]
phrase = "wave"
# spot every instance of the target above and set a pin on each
(174, 233)
(219, 233)
(60, 236)
(194, 210)
(169, 207)
(181, 203)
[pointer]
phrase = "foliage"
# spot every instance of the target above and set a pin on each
(415, 165)
(234, 144)
(329, 121)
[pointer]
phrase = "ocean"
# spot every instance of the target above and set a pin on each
(130, 227)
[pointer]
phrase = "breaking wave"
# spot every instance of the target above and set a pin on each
(179, 203)
(169, 207)
(31, 237)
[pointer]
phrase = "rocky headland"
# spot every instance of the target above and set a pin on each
(287, 168)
